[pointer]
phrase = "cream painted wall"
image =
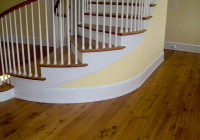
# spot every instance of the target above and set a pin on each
(183, 23)
(134, 63)
(4, 5)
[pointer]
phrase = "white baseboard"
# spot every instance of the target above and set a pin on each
(6, 95)
(99, 93)
(182, 47)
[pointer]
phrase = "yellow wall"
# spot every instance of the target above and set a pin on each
(183, 23)
(134, 63)
(4, 5)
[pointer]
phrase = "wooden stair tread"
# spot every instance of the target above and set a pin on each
(58, 57)
(120, 3)
(119, 15)
(79, 41)
(6, 87)
(87, 26)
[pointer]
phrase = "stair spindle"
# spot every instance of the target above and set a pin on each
(127, 15)
(68, 33)
(12, 45)
(47, 32)
(4, 46)
(22, 43)
(54, 33)
(17, 45)
(28, 44)
(116, 23)
(8, 46)
(104, 24)
(40, 34)
(122, 18)
(110, 28)
(97, 25)
(34, 47)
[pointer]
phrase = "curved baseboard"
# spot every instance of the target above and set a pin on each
(6, 95)
(99, 93)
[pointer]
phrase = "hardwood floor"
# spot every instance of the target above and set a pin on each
(166, 107)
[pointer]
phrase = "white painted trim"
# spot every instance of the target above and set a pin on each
(182, 47)
(99, 93)
(6, 95)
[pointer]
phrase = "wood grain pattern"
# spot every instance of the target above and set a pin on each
(166, 107)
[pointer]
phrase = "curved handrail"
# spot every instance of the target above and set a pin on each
(16, 7)
(56, 5)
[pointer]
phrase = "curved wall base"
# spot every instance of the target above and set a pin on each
(91, 94)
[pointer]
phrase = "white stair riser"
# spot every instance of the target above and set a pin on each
(100, 35)
(87, 21)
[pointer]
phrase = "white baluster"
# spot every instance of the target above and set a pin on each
(122, 18)
(142, 15)
(63, 21)
(83, 28)
(135, 16)
(28, 44)
(132, 12)
(17, 45)
(68, 33)
(22, 43)
(127, 16)
(110, 29)
(139, 16)
(97, 25)
(2, 61)
(8, 46)
(104, 23)
(76, 40)
(12, 45)
(40, 34)
(4, 46)
(34, 49)
(47, 32)
(90, 28)
(61, 34)
(54, 33)
(79, 9)
(116, 23)
(72, 17)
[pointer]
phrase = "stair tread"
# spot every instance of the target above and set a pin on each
(58, 57)
(119, 15)
(107, 29)
(6, 87)
(100, 44)
(120, 3)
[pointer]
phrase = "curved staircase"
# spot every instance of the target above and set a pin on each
(81, 37)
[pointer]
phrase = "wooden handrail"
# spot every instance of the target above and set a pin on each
(56, 5)
(16, 7)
